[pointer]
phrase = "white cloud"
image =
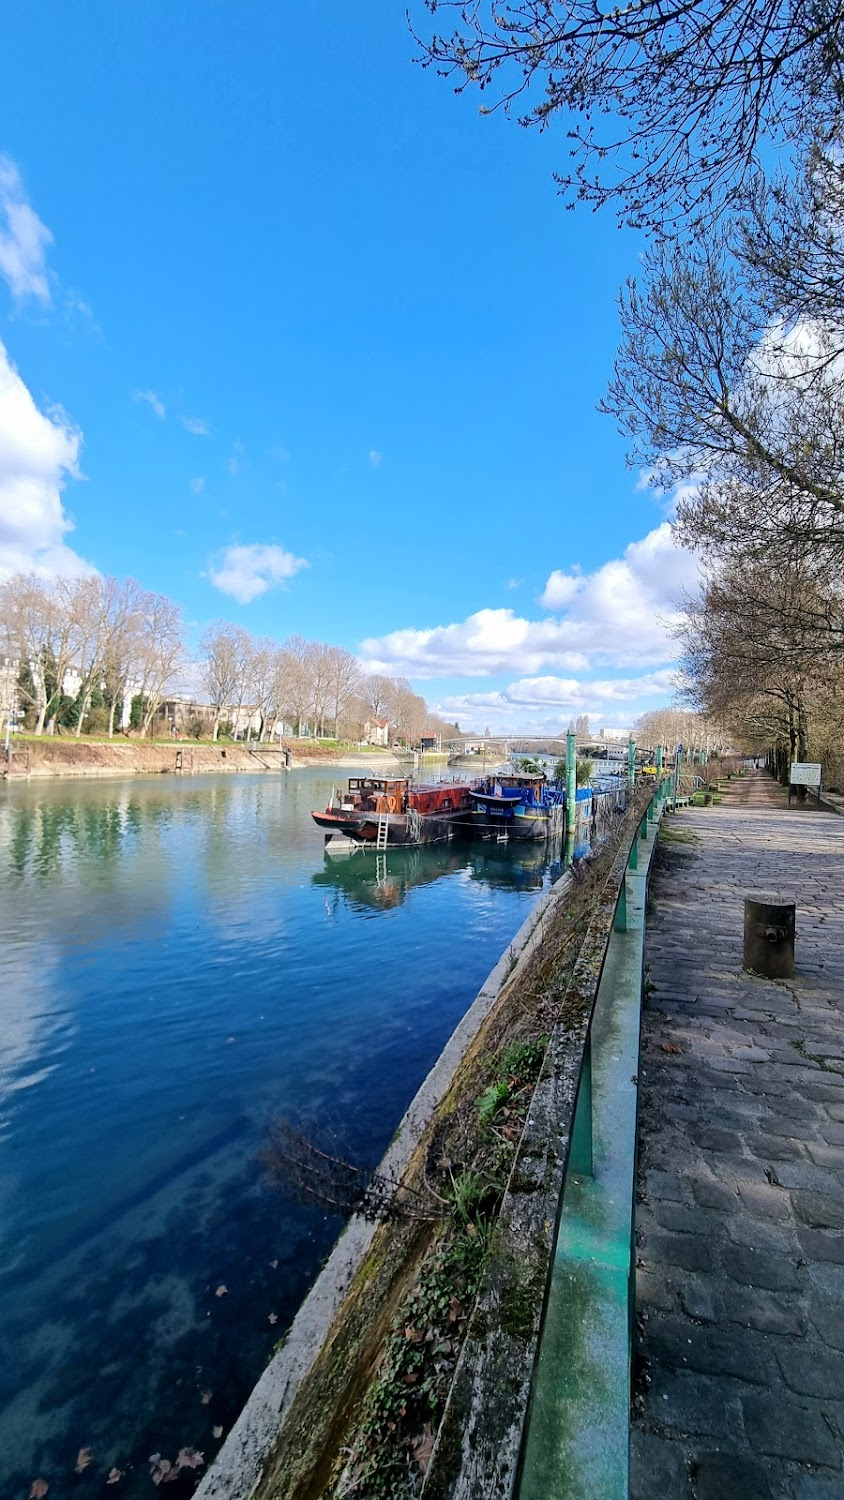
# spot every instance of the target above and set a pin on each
(196, 426)
(375, 458)
(247, 572)
(197, 485)
(622, 614)
(543, 705)
(23, 239)
(39, 452)
(153, 401)
(561, 589)
(513, 583)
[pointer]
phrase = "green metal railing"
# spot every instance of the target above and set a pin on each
(576, 1446)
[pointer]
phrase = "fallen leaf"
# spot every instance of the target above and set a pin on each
(423, 1447)
(162, 1470)
(221, 1290)
(455, 1311)
(38, 1489)
(273, 1318)
(217, 1432)
(274, 1264)
(83, 1459)
(411, 1379)
(114, 1476)
(670, 1047)
(189, 1458)
(205, 1397)
(412, 1334)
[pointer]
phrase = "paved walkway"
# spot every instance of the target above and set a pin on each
(740, 1282)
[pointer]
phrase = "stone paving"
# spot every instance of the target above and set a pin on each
(740, 1267)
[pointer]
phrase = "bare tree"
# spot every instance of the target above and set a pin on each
(377, 691)
(407, 710)
(222, 649)
(670, 101)
(676, 726)
(761, 645)
(344, 681)
(161, 652)
(120, 645)
(298, 691)
(320, 670)
(264, 682)
(40, 631)
(791, 238)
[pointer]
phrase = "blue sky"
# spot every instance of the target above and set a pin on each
(296, 336)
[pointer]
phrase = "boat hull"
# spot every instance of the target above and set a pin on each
(519, 823)
(403, 830)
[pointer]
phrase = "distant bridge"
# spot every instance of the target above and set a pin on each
(527, 745)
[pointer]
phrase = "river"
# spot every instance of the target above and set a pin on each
(180, 962)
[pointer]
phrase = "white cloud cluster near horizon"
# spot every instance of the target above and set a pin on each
(544, 705)
(24, 239)
(621, 615)
(39, 452)
(247, 572)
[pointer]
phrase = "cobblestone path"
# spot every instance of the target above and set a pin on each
(740, 1280)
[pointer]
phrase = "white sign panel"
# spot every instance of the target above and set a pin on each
(804, 773)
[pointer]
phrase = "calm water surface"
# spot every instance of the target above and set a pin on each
(180, 961)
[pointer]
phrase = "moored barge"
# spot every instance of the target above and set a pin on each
(382, 812)
(521, 806)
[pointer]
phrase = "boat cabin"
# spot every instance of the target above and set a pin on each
(378, 794)
(442, 798)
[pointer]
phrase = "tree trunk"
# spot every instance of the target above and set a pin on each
(148, 717)
(83, 709)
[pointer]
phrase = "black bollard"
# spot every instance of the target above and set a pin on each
(769, 936)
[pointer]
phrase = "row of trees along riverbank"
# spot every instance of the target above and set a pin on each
(120, 647)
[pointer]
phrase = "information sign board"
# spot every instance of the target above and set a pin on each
(804, 773)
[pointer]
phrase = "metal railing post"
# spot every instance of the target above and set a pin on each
(580, 1154)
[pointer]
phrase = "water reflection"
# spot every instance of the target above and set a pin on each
(365, 878)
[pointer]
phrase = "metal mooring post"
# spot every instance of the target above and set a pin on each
(769, 936)
(631, 767)
(571, 782)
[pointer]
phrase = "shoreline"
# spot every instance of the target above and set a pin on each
(49, 759)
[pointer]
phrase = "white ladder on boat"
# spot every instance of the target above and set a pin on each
(383, 830)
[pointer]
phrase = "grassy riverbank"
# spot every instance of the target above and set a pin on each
(41, 756)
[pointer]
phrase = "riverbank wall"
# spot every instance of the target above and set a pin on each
(31, 759)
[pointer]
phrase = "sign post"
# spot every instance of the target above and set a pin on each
(804, 773)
